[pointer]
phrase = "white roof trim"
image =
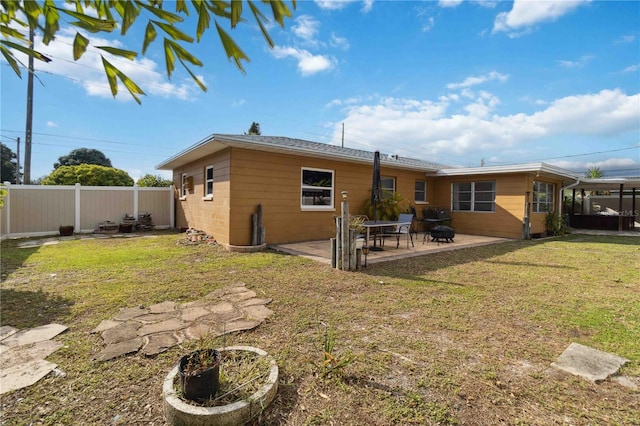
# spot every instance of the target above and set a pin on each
(512, 168)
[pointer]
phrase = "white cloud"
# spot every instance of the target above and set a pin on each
(238, 103)
(585, 59)
(473, 81)
(631, 68)
(52, 124)
(88, 71)
(307, 29)
(610, 164)
(629, 38)
(526, 14)
(427, 129)
(308, 64)
(449, 3)
(339, 42)
(428, 24)
(367, 5)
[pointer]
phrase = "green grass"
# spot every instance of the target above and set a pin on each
(462, 337)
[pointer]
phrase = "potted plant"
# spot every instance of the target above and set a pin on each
(65, 230)
(199, 374)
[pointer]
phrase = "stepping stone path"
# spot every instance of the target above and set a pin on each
(589, 363)
(23, 353)
(157, 328)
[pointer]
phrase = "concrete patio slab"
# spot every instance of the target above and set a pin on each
(33, 335)
(24, 374)
(589, 363)
(16, 355)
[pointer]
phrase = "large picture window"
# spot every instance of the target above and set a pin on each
(474, 196)
(543, 197)
(208, 182)
(317, 189)
(420, 193)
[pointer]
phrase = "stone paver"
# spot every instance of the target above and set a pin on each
(22, 354)
(589, 363)
(158, 327)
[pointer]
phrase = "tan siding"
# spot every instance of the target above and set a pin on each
(103, 205)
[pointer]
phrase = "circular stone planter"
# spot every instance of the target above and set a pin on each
(179, 412)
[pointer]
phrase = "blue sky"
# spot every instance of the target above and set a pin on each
(459, 83)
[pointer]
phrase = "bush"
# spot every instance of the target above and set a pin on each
(88, 175)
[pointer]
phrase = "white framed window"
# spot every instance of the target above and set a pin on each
(388, 185)
(420, 192)
(316, 189)
(543, 194)
(473, 196)
(183, 186)
(208, 182)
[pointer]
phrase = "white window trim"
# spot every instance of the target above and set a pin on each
(393, 190)
(425, 193)
(330, 207)
(551, 202)
(207, 196)
(183, 186)
(473, 196)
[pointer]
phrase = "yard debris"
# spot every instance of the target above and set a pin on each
(196, 237)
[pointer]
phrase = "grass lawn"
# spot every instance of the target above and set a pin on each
(462, 337)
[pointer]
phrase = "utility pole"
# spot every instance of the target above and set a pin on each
(343, 135)
(29, 125)
(18, 163)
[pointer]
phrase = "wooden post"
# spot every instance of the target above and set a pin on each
(254, 229)
(344, 236)
(333, 253)
(620, 208)
(338, 259)
(352, 250)
(260, 227)
(634, 212)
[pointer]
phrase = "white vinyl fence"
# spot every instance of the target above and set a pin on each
(36, 210)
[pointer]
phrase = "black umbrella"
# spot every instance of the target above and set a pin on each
(376, 185)
(376, 192)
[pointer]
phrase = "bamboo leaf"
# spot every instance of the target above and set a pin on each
(51, 18)
(196, 79)
(220, 8)
(149, 35)
(236, 12)
(30, 52)
(131, 12)
(169, 58)
(173, 32)
(11, 60)
(203, 20)
(90, 23)
(80, 44)
(182, 7)
(182, 53)
(131, 86)
(131, 55)
(33, 11)
(163, 14)
(280, 11)
(110, 71)
(259, 17)
(232, 50)
(7, 32)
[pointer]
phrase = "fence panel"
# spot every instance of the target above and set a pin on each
(35, 210)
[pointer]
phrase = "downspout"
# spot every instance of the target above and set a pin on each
(573, 185)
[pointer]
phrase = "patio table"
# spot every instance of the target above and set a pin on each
(369, 224)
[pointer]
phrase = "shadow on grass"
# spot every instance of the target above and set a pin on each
(13, 257)
(24, 309)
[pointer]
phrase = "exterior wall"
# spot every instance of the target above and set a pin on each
(506, 221)
(245, 178)
(210, 216)
(33, 210)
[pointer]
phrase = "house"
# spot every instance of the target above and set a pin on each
(221, 180)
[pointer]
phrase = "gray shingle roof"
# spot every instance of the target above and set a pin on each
(299, 146)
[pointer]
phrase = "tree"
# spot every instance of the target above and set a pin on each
(150, 180)
(83, 156)
(88, 175)
(99, 16)
(254, 129)
(8, 166)
(594, 172)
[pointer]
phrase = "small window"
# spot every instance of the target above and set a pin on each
(474, 196)
(543, 197)
(388, 186)
(420, 194)
(208, 182)
(317, 189)
(183, 186)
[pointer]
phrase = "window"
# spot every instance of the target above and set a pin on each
(474, 196)
(183, 186)
(208, 182)
(388, 185)
(420, 194)
(543, 197)
(317, 189)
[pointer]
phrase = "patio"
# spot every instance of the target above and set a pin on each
(320, 251)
